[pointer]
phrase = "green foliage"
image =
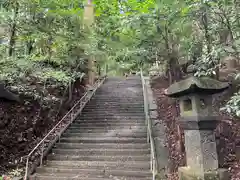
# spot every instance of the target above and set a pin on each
(233, 105)
(50, 41)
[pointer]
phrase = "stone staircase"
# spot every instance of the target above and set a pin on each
(107, 142)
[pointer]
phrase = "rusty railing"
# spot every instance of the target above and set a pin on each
(150, 139)
(59, 128)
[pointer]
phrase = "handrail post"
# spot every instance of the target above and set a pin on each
(71, 115)
(59, 137)
(42, 151)
(151, 166)
(26, 170)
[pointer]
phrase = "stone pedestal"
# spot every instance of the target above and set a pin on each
(186, 173)
(238, 152)
(201, 150)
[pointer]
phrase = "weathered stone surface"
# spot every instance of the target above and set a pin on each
(201, 85)
(159, 134)
(5, 94)
(237, 151)
(194, 124)
(186, 173)
(151, 100)
(153, 115)
(195, 105)
(201, 150)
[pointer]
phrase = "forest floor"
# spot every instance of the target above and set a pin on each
(227, 133)
(24, 124)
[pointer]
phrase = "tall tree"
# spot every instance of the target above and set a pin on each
(89, 20)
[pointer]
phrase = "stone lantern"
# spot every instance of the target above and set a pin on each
(198, 122)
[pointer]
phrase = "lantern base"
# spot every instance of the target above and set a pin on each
(186, 173)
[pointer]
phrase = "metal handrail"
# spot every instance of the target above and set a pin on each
(153, 159)
(72, 117)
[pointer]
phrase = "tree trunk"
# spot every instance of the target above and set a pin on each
(13, 30)
(88, 20)
(175, 71)
(70, 92)
(91, 74)
(29, 47)
(99, 70)
(204, 19)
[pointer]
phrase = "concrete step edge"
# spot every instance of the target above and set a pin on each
(69, 134)
(104, 172)
(102, 145)
(62, 177)
(104, 150)
(98, 164)
(108, 138)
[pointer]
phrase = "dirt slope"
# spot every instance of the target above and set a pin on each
(22, 125)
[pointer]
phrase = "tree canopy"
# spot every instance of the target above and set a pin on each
(48, 39)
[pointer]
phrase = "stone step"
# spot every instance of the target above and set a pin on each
(94, 121)
(131, 80)
(105, 172)
(103, 110)
(129, 83)
(122, 109)
(60, 176)
(104, 140)
(113, 109)
(123, 86)
(101, 152)
(123, 158)
(112, 90)
(113, 134)
(109, 126)
(118, 97)
(112, 116)
(112, 113)
(120, 106)
(108, 122)
(116, 93)
(106, 130)
(102, 145)
(105, 124)
(116, 116)
(112, 106)
(114, 103)
(52, 169)
(109, 111)
(133, 165)
(118, 100)
(116, 107)
(120, 86)
(134, 106)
